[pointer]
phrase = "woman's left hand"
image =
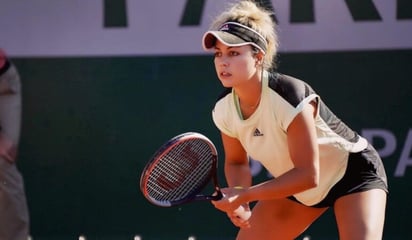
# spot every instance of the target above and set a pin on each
(233, 207)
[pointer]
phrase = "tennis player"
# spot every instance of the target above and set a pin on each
(317, 161)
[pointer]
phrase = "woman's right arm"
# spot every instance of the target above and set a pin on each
(238, 175)
(237, 170)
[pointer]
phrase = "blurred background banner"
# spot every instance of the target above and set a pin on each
(107, 27)
(107, 82)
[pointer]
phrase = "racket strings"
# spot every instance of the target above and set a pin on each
(170, 184)
(177, 171)
(199, 176)
(185, 168)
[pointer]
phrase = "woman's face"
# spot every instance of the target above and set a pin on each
(234, 65)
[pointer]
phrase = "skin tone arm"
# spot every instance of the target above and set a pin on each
(7, 148)
(237, 172)
(237, 169)
(304, 154)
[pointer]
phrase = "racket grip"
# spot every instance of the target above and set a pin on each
(242, 213)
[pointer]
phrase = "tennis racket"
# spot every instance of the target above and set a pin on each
(179, 171)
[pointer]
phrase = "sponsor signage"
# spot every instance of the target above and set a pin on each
(175, 27)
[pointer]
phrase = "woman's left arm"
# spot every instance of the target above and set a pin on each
(303, 147)
(304, 152)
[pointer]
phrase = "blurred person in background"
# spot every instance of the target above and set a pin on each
(14, 216)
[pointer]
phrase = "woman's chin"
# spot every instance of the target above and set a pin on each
(226, 83)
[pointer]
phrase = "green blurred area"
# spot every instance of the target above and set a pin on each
(90, 125)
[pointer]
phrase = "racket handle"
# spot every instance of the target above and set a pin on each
(242, 213)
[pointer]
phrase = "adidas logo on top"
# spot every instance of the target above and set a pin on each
(224, 28)
(257, 133)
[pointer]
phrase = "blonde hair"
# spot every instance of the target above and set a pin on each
(250, 14)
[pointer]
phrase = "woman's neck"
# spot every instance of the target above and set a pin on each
(249, 94)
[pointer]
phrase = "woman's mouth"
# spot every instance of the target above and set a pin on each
(225, 74)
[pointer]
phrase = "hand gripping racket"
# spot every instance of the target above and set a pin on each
(180, 169)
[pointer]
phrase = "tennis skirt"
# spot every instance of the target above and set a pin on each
(365, 171)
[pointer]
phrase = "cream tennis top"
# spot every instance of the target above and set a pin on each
(264, 137)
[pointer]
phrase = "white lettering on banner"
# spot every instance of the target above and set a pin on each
(76, 27)
(406, 158)
(388, 138)
(388, 149)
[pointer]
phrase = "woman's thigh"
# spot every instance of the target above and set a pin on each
(281, 219)
(361, 215)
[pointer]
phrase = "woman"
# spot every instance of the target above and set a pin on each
(317, 161)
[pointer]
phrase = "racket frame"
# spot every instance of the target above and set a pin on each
(195, 196)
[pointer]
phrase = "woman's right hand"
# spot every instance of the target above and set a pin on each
(240, 217)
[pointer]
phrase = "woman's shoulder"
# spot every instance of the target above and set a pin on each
(292, 89)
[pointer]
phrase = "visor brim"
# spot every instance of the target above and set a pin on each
(228, 39)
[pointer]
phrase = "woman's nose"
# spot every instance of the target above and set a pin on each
(224, 61)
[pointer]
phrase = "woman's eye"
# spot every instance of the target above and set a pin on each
(218, 54)
(233, 53)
